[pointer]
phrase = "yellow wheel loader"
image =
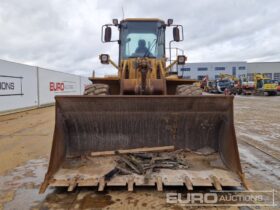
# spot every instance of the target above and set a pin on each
(117, 133)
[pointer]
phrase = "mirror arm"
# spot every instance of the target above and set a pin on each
(182, 28)
(171, 65)
(103, 41)
(170, 52)
(113, 64)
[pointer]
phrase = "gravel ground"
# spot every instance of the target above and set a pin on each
(25, 142)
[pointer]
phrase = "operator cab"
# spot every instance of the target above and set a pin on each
(142, 39)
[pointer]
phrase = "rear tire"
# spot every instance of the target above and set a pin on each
(97, 90)
(188, 90)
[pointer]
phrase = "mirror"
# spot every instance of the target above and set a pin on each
(176, 34)
(108, 34)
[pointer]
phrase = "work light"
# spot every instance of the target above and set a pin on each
(169, 22)
(181, 59)
(104, 58)
(115, 22)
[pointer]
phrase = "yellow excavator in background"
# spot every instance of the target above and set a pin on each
(264, 85)
(147, 107)
(228, 76)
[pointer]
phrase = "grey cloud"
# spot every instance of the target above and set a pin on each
(65, 35)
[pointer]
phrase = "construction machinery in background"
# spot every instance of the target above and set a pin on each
(145, 127)
(224, 84)
(277, 83)
(260, 86)
(211, 86)
(223, 76)
(203, 82)
(248, 87)
(264, 85)
(234, 83)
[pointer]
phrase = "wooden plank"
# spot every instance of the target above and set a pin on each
(159, 184)
(130, 184)
(136, 150)
(216, 183)
(101, 184)
(188, 183)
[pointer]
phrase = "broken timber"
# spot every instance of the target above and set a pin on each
(132, 151)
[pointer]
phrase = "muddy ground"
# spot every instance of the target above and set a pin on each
(25, 142)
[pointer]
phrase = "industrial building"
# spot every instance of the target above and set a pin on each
(269, 69)
(236, 68)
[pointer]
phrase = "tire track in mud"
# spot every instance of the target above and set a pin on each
(260, 149)
(32, 126)
(262, 172)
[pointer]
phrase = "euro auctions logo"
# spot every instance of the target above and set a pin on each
(11, 85)
(192, 198)
(56, 86)
(223, 198)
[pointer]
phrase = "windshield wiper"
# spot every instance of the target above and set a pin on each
(155, 41)
(148, 49)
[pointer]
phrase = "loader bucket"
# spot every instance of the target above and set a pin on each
(87, 124)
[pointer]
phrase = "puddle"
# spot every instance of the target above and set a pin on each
(19, 190)
(19, 187)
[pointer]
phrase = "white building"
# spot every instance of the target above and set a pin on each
(212, 69)
(238, 68)
(269, 69)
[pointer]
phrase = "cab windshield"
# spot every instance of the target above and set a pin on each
(142, 39)
(224, 82)
(267, 81)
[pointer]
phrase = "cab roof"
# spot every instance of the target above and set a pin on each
(142, 20)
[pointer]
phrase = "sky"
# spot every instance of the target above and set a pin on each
(65, 35)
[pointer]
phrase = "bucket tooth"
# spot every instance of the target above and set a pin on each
(130, 184)
(159, 184)
(216, 183)
(188, 183)
(101, 184)
(72, 186)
